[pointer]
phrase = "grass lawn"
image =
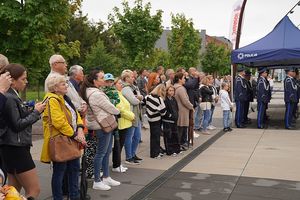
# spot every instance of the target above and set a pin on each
(33, 95)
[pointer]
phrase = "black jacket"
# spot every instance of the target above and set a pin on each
(171, 115)
(192, 89)
(206, 94)
(18, 120)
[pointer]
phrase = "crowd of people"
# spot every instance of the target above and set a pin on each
(174, 105)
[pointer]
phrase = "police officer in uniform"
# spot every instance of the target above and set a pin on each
(263, 96)
(250, 96)
(290, 97)
(240, 96)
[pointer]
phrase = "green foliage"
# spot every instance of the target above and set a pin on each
(184, 42)
(137, 29)
(159, 58)
(84, 31)
(98, 57)
(30, 33)
(216, 59)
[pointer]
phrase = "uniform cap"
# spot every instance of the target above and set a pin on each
(109, 76)
(240, 69)
(262, 70)
(248, 73)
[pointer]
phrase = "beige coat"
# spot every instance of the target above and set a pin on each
(184, 105)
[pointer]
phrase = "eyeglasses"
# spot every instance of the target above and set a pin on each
(62, 62)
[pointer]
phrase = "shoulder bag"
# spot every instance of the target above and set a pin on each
(108, 124)
(61, 147)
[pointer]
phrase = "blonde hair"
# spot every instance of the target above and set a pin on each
(54, 80)
(125, 74)
(205, 80)
(159, 90)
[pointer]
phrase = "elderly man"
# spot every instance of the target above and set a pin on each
(58, 66)
(170, 74)
(76, 77)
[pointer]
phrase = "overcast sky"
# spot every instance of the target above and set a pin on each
(213, 15)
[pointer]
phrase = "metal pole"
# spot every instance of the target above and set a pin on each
(237, 43)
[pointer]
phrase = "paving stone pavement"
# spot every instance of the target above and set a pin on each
(242, 165)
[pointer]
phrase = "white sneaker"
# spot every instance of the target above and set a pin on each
(211, 127)
(196, 135)
(100, 186)
(123, 167)
(118, 169)
(110, 182)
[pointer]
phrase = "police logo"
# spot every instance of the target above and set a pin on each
(240, 56)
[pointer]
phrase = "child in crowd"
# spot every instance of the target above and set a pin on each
(170, 123)
(226, 105)
(9, 192)
(110, 90)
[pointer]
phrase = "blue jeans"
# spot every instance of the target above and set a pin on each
(101, 160)
(198, 117)
(132, 141)
(72, 169)
(226, 118)
(211, 114)
(206, 118)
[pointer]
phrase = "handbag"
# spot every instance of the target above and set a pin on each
(61, 147)
(108, 124)
(205, 105)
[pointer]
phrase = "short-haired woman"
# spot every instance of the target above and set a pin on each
(17, 139)
(64, 120)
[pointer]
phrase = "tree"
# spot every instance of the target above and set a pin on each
(98, 57)
(184, 42)
(216, 59)
(30, 32)
(84, 31)
(137, 30)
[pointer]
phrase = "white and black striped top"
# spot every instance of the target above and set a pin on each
(155, 107)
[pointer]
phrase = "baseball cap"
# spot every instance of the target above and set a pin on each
(109, 76)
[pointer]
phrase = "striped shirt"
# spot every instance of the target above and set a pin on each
(155, 107)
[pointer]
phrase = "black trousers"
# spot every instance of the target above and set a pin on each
(171, 138)
(155, 130)
(119, 140)
(182, 134)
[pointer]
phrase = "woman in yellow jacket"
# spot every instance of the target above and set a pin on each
(61, 108)
(124, 125)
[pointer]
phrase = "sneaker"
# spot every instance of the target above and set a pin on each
(100, 186)
(205, 132)
(137, 158)
(230, 129)
(132, 161)
(158, 157)
(118, 169)
(124, 168)
(110, 182)
(211, 127)
(196, 135)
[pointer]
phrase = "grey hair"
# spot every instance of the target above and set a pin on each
(54, 58)
(74, 70)
(168, 72)
(53, 81)
(3, 61)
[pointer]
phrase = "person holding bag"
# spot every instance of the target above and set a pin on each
(205, 105)
(99, 119)
(60, 118)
